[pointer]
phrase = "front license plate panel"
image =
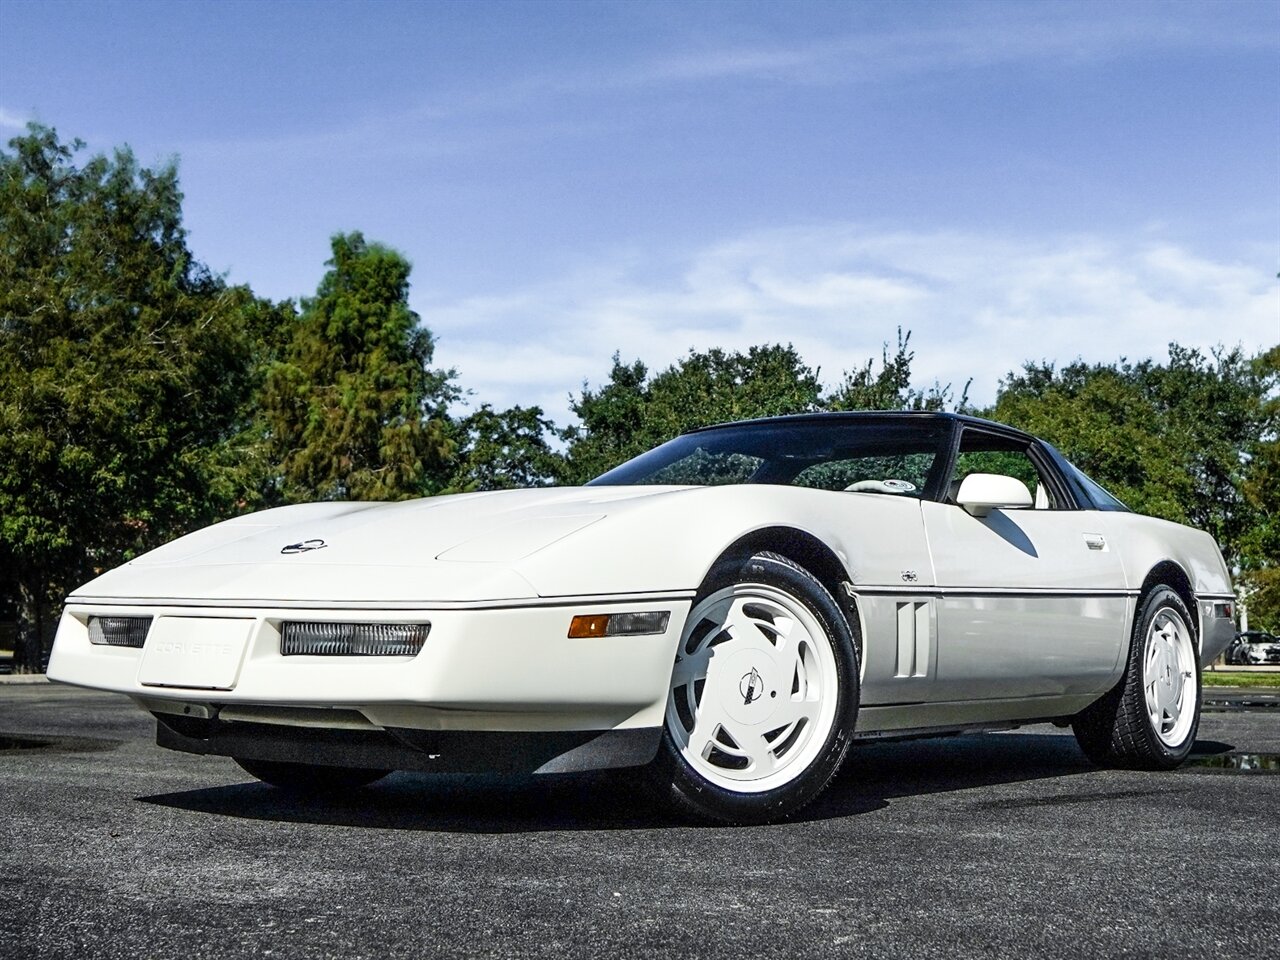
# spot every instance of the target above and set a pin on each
(199, 652)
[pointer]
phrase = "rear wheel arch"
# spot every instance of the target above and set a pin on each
(1166, 573)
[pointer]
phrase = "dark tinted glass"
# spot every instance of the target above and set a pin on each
(1101, 499)
(829, 455)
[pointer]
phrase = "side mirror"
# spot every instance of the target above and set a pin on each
(980, 493)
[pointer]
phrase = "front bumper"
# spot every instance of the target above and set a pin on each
(499, 671)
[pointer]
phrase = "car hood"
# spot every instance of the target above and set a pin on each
(460, 548)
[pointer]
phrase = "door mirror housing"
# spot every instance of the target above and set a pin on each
(980, 493)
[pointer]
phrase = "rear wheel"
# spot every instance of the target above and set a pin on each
(1149, 721)
(764, 695)
(309, 778)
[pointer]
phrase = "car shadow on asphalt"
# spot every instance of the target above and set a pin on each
(874, 775)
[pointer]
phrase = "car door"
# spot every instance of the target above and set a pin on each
(1031, 602)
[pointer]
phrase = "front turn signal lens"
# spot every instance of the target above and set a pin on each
(585, 626)
(593, 626)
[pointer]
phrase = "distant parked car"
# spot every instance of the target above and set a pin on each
(1253, 647)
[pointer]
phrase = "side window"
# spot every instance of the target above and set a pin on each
(989, 453)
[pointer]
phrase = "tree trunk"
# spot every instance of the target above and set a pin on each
(28, 655)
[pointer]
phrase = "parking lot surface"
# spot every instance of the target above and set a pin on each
(998, 845)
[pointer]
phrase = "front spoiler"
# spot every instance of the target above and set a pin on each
(430, 751)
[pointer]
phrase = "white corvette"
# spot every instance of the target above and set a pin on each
(730, 610)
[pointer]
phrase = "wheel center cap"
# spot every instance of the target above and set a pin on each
(748, 691)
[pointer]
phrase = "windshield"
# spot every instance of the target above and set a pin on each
(891, 457)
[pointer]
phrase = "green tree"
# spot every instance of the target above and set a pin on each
(633, 412)
(1173, 440)
(354, 410)
(1260, 546)
(890, 388)
(499, 450)
(612, 418)
(124, 371)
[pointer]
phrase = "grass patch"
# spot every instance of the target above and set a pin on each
(1235, 678)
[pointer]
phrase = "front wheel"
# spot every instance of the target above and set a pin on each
(306, 778)
(764, 695)
(1149, 721)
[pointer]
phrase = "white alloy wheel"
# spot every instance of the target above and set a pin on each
(1169, 676)
(754, 692)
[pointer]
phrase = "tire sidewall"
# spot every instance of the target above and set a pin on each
(695, 793)
(1155, 601)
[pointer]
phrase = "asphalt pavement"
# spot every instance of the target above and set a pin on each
(999, 845)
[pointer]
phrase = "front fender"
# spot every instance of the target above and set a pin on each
(669, 542)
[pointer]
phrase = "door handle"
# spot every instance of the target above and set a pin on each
(1095, 541)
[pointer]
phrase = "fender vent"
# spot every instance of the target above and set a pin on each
(915, 630)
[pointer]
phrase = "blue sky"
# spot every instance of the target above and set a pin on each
(1010, 181)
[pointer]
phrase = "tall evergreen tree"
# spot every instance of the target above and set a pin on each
(354, 410)
(124, 371)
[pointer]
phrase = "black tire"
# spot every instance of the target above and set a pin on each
(694, 794)
(1116, 731)
(307, 778)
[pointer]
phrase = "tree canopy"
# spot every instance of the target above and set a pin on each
(633, 412)
(124, 366)
(1178, 440)
(892, 387)
(500, 450)
(353, 409)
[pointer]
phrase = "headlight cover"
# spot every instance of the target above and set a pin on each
(119, 631)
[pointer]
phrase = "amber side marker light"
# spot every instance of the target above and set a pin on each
(618, 624)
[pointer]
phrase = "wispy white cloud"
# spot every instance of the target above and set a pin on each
(979, 306)
(473, 117)
(965, 37)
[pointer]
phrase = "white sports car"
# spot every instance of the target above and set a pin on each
(730, 610)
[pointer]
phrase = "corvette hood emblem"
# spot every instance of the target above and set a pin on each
(303, 546)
